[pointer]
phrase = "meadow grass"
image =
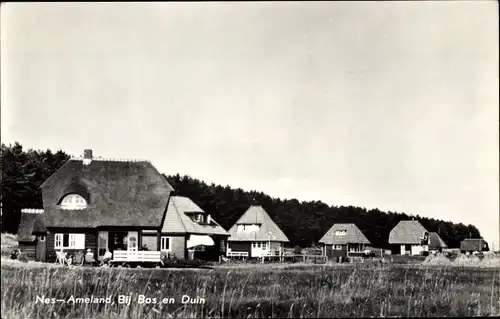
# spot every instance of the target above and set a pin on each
(253, 291)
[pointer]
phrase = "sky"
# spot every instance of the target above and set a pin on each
(389, 105)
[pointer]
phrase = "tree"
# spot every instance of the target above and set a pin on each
(304, 223)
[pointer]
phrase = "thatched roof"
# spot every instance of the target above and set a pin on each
(435, 242)
(353, 235)
(32, 222)
(268, 229)
(118, 193)
(176, 220)
(407, 232)
(474, 244)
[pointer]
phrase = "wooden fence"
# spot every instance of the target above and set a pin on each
(136, 256)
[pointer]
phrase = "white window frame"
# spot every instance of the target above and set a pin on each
(75, 241)
(58, 241)
(337, 247)
(162, 243)
(340, 232)
(73, 201)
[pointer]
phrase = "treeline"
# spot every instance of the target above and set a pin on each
(303, 222)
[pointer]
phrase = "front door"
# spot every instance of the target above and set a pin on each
(118, 240)
(259, 249)
(40, 248)
(133, 238)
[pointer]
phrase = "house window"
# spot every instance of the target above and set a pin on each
(248, 228)
(355, 248)
(73, 201)
(69, 241)
(41, 238)
(165, 244)
(340, 232)
(337, 247)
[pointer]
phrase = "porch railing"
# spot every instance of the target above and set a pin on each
(237, 254)
(136, 256)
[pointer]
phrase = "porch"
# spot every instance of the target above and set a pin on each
(255, 249)
(136, 256)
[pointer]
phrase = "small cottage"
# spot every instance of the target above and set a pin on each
(436, 244)
(343, 240)
(191, 231)
(471, 245)
(255, 234)
(409, 237)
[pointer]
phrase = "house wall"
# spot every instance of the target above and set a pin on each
(418, 249)
(177, 245)
(212, 253)
(151, 242)
(28, 249)
(414, 249)
(240, 246)
(333, 253)
(90, 243)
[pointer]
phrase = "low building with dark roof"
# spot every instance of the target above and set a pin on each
(344, 240)
(255, 234)
(471, 245)
(409, 237)
(127, 205)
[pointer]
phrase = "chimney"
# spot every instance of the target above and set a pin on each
(87, 157)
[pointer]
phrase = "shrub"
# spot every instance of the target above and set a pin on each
(23, 258)
(182, 263)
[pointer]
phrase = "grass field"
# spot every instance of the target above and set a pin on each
(254, 291)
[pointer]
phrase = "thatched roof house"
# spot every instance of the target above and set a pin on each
(435, 242)
(474, 244)
(409, 237)
(255, 234)
(120, 205)
(343, 240)
(407, 232)
(117, 192)
(267, 228)
(342, 234)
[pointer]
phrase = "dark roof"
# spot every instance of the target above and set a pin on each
(31, 223)
(407, 232)
(176, 220)
(353, 235)
(474, 244)
(268, 229)
(436, 242)
(118, 193)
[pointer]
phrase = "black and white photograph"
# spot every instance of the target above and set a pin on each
(249, 159)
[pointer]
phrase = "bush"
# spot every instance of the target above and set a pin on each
(23, 258)
(297, 250)
(182, 263)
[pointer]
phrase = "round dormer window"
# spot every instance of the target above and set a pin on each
(73, 201)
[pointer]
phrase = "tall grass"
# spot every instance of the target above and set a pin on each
(255, 292)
